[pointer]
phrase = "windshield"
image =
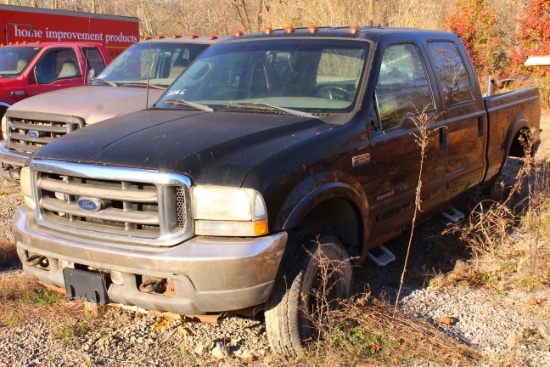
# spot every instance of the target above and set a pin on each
(307, 75)
(153, 63)
(14, 60)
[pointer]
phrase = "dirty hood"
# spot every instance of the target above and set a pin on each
(217, 148)
(91, 103)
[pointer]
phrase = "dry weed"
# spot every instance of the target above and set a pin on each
(509, 238)
(365, 330)
(422, 121)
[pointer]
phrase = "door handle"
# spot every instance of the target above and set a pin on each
(443, 137)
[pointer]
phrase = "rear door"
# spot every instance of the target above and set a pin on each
(465, 117)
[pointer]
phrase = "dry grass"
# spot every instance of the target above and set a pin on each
(369, 331)
(509, 239)
(9, 194)
(23, 300)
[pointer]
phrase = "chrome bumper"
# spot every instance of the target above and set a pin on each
(10, 161)
(210, 274)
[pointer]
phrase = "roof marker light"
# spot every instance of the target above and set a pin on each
(159, 37)
(289, 29)
(353, 29)
(237, 33)
(176, 36)
(193, 36)
(146, 38)
(213, 37)
(268, 30)
(312, 29)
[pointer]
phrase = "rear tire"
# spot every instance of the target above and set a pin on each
(308, 284)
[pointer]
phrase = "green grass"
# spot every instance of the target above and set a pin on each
(38, 297)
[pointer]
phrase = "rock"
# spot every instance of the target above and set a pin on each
(220, 351)
(544, 329)
(447, 320)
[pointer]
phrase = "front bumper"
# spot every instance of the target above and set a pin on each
(209, 274)
(11, 163)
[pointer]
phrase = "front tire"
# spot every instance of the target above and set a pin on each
(308, 284)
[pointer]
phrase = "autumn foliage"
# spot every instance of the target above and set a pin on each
(475, 22)
(533, 36)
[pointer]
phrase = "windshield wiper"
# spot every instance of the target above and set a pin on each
(268, 107)
(183, 102)
(144, 84)
(112, 84)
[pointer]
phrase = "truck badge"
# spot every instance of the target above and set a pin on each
(360, 160)
(90, 204)
(33, 134)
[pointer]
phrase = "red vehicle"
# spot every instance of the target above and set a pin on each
(23, 24)
(44, 50)
(34, 68)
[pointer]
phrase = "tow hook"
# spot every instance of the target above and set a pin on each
(153, 285)
(39, 260)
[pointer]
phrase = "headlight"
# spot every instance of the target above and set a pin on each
(228, 211)
(4, 128)
(26, 186)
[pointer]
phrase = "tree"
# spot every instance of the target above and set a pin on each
(533, 36)
(475, 22)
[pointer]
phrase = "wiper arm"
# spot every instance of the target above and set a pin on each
(268, 107)
(183, 102)
(145, 84)
(112, 84)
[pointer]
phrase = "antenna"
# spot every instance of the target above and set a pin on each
(87, 69)
(149, 73)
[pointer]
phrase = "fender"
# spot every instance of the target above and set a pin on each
(519, 122)
(3, 108)
(333, 190)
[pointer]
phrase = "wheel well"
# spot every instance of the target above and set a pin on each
(519, 143)
(338, 217)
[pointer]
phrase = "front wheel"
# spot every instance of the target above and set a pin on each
(308, 285)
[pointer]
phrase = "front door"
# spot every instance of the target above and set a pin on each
(404, 94)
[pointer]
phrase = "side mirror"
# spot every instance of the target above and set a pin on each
(91, 76)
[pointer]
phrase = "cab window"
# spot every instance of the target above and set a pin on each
(402, 87)
(451, 72)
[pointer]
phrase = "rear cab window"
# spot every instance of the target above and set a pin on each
(451, 72)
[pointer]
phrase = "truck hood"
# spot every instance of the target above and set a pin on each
(217, 148)
(92, 103)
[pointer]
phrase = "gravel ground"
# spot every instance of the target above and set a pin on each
(502, 327)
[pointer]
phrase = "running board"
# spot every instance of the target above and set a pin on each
(452, 214)
(383, 256)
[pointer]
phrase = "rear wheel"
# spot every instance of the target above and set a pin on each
(308, 285)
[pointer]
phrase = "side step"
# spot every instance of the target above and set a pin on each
(381, 256)
(452, 214)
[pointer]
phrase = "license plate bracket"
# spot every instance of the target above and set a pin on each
(85, 285)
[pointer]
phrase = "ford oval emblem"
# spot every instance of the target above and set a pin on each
(90, 204)
(33, 134)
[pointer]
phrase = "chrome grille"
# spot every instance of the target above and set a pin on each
(181, 206)
(29, 132)
(133, 205)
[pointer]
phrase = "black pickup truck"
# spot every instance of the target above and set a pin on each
(271, 153)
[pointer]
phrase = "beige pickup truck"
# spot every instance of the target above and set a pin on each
(133, 81)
